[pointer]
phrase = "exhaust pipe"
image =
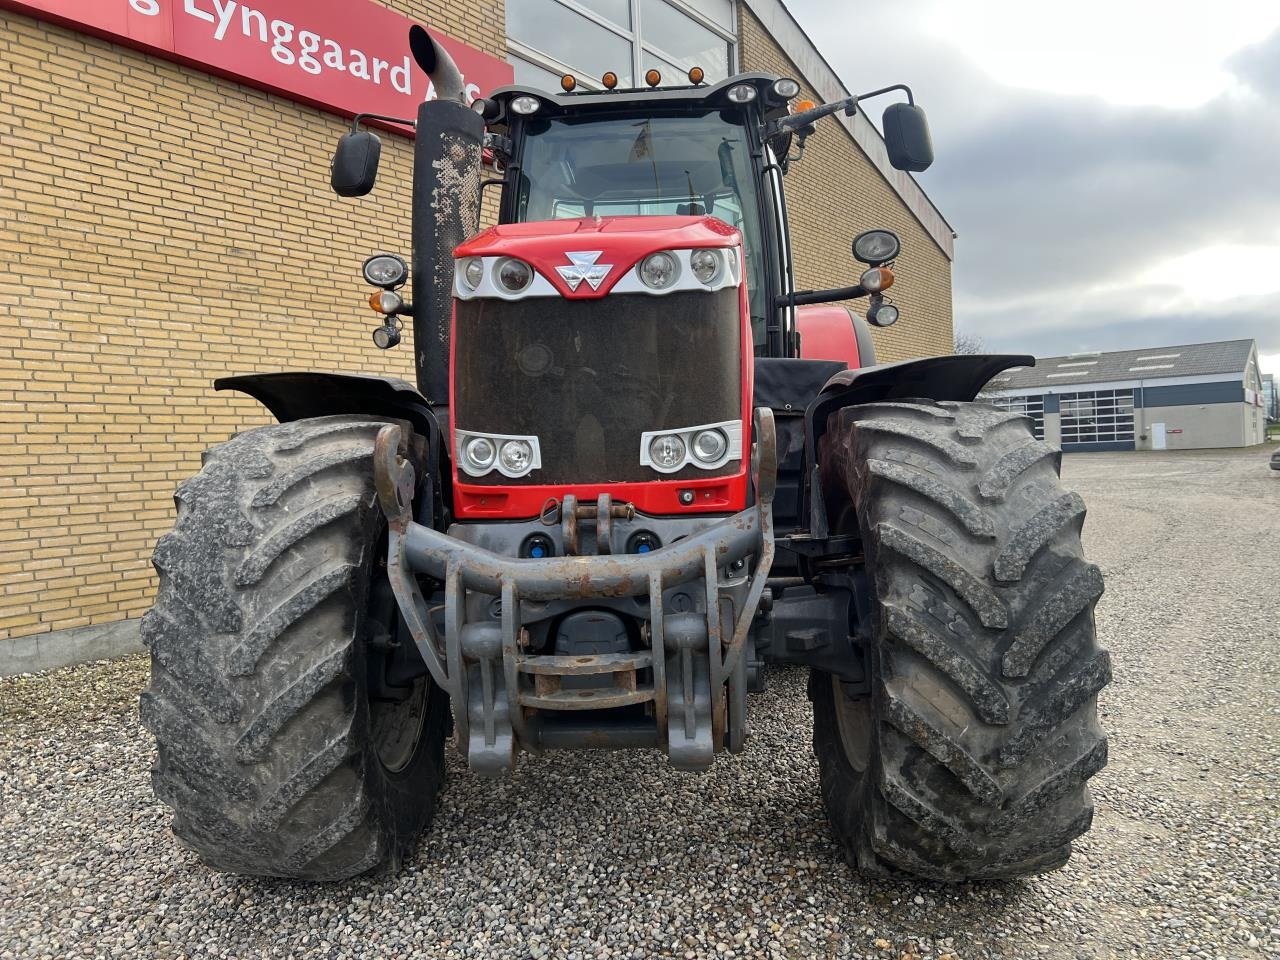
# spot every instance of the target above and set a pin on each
(438, 65)
(446, 211)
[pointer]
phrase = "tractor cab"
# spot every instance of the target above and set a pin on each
(689, 151)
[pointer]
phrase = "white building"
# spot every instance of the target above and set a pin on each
(1176, 398)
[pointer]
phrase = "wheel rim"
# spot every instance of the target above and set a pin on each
(395, 726)
(853, 722)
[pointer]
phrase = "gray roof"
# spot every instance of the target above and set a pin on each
(1185, 360)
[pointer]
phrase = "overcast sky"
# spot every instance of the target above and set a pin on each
(1112, 167)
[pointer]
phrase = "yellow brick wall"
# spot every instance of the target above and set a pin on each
(159, 228)
(834, 194)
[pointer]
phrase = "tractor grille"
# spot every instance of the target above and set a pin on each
(587, 377)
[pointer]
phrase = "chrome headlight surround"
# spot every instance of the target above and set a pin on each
(686, 278)
(484, 270)
(731, 430)
(461, 439)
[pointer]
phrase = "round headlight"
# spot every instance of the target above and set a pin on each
(473, 272)
(876, 247)
(385, 270)
(514, 275)
(882, 315)
(659, 270)
(517, 455)
(741, 93)
(710, 445)
(525, 105)
(480, 452)
(667, 451)
(705, 265)
(786, 88)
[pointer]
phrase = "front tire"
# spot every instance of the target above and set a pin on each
(272, 753)
(969, 759)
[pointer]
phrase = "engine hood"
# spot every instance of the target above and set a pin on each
(620, 242)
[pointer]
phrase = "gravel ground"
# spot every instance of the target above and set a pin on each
(615, 855)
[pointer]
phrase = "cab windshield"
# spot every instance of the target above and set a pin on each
(684, 164)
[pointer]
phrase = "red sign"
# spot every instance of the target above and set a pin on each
(348, 57)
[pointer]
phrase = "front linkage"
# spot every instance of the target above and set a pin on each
(691, 682)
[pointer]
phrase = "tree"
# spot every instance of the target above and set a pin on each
(969, 343)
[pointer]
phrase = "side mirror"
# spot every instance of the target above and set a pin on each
(906, 135)
(355, 163)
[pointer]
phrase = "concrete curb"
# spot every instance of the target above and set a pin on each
(63, 648)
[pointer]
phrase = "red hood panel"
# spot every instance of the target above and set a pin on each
(621, 242)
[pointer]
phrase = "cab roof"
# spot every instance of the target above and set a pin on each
(702, 95)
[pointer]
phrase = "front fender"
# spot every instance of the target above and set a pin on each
(298, 396)
(957, 377)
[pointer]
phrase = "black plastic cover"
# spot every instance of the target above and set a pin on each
(906, 137)
(790, 385)
(355, 164)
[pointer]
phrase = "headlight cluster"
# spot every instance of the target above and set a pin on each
(709, 446)
(507, 278)
(670, 270)
(482, 453)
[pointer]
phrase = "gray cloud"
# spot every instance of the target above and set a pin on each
(1259, 66)
(1062, 201)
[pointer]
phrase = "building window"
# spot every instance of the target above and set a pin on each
(1097, 416)
(1032, 407)
(549, 38)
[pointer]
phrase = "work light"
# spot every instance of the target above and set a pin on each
(385, 270)
(875, 247)
(785, 88)
(741, 93)
(882, 314)
(525, 105)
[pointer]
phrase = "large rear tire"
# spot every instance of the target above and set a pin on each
(970, 755)
(272, 753)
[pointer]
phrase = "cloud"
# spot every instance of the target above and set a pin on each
(1067, 204)
(1258, 66)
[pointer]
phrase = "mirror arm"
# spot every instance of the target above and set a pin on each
(849, 105)
(802, 297)
(381, 118)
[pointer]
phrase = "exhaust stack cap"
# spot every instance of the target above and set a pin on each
(436, 63)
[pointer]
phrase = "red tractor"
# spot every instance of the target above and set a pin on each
(638, 468)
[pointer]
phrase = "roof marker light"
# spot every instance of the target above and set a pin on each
(696, 76)
(610, 80)
(653, 78)
(568, 82)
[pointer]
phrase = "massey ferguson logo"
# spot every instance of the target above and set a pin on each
(583, 266)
